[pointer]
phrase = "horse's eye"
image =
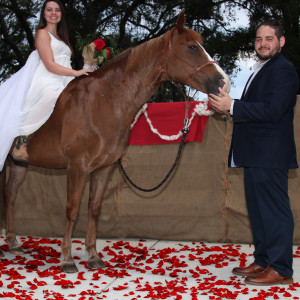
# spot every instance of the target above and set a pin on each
(193, 47)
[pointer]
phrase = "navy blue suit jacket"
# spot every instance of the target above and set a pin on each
(263, 132)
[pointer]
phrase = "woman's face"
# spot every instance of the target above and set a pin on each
(52, 12)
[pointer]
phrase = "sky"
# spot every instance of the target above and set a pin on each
(239, 82)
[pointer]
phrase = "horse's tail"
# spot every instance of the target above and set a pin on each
(2, 200)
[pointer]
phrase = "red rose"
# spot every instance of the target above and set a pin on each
(108, 53)
(99, 44)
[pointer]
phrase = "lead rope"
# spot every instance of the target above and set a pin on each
(184, 131)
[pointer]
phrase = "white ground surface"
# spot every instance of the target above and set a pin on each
(137, 269)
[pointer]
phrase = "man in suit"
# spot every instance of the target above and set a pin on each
(263, 143)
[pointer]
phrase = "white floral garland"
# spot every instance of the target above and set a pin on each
(200, 109)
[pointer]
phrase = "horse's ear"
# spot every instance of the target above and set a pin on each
(180, 21)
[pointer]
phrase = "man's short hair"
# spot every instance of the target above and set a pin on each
(276, 25)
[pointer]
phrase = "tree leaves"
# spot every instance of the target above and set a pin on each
(131, 22)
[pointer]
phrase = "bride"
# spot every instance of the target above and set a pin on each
(27, 98)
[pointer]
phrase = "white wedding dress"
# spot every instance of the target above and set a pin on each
(27, 98)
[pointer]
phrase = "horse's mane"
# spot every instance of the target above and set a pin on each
(141, 53)
(146, 52)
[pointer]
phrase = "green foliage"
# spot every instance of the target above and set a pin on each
(130, 22)
(17, 19)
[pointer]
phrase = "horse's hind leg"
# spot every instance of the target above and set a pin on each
(75, 184)
(98, 182)
(17, 176)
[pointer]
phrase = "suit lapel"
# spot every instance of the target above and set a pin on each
(260, 72)
(244, 91)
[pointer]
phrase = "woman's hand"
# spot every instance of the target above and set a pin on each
(82, 72)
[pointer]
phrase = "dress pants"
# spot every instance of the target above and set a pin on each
(270, 217)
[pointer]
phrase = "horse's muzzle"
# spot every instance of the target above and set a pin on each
(212, 86)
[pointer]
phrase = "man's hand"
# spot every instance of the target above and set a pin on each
(221, 103)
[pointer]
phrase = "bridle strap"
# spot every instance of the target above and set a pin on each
(208, 63)
(197, 69)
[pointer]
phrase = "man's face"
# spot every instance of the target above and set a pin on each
(266, 43)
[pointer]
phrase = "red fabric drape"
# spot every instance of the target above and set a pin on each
(168, 119)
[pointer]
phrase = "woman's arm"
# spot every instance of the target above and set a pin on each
(43, 46)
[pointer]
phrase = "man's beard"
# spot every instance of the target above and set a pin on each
(268, 56)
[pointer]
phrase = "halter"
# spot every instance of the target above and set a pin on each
(197, 69)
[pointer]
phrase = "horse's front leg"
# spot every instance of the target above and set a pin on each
(75, 184)
(17, 176)
(98, 182)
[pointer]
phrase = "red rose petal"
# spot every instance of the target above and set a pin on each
(120, 287)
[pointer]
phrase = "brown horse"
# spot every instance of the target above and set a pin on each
(90, 126)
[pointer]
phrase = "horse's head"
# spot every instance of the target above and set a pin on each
(189, 63)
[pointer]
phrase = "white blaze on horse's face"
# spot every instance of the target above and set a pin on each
(227, 84)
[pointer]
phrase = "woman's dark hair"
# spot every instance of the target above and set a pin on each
(62, 28)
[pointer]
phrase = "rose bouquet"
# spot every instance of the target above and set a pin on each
(96, 53)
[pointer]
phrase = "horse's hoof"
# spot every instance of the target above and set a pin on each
(68, 267)
(96, 263)
(1, 253)
(16, 250)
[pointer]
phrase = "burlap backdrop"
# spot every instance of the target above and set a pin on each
(203, 200)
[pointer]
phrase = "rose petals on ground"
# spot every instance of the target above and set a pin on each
(185, 271)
